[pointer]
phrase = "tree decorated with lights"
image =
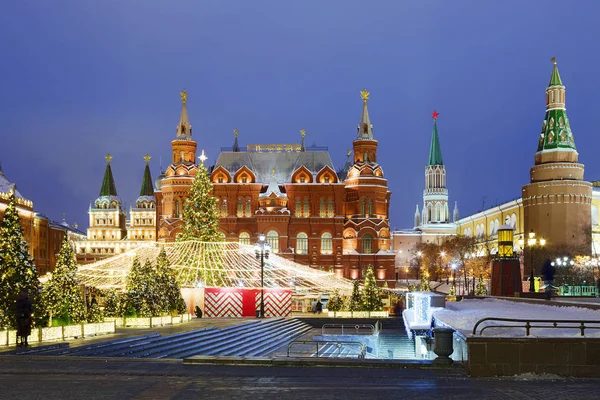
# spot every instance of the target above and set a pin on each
(200, 211)
(371, 295)
(112, 304)
(139, 287)
(169, 289)
(17, 271)
(61, 295)
(201, 223)
(355, 299)
(335, 302)
(481, 289)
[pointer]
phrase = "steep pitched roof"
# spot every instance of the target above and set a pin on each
(108, 187)
(147, 189)
(435, 152)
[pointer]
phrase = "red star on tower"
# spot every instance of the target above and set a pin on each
(434, 114)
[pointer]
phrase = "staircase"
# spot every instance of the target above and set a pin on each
(397, 346)
(386, 323)
(252, 339)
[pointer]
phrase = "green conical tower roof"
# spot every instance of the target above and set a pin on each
(108, 183)
(555, 78)
(147, 189)
(556, 129)
(435, 153)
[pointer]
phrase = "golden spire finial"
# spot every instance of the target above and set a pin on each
(147, 158)
(349, 152)
(236, 132)
(553, 59)
(108, 157)
(364, 95)
(184, 96)
(303, 132)
(273, 172)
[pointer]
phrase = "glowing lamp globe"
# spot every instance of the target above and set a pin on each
(505, 241)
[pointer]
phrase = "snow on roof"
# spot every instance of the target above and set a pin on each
(463, 316)
(6, 185)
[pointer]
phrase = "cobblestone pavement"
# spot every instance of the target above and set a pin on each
(70, 378)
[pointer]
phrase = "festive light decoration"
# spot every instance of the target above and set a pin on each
(17, 271)
(214, 264)
(371, 295)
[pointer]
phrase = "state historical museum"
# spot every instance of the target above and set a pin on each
(311, 213)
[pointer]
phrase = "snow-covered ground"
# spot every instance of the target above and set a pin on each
(463, 316)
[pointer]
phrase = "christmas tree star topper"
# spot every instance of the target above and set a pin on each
(202, 157)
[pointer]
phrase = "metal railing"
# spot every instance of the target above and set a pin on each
(566, 291)
(339, 345)
(528, 324)
(353, 328)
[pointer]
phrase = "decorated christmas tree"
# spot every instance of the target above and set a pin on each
(371, 295)
(17, 271)
(168, 287)
(355, 299)
(112, 304)
(481, 289)
(335, 302)
(138, 291)
(62, 298)
(200, 211)
(201, 223)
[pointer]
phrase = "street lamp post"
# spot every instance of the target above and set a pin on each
(262, 250)
(531, 242)
(453, 266)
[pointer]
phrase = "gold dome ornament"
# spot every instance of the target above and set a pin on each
(108, 157)
(184, 96)
(364, 95)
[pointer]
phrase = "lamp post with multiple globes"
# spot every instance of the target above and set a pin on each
(532, 241)
(262, 248)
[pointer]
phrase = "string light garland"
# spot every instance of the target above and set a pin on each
(214, 264)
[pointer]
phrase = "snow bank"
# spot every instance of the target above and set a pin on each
(463, 316)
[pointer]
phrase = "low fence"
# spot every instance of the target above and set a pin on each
(314, 348)
(529, 324)
(358, 314)
(149, 322)
(48, 334)
(567, 291)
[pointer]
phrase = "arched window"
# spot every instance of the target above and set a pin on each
(240, 208)
(370, 208)
(302, 243)
(326, 243)
(244, 238)
(367, 244)
(248, 208)
(306, 208)
(330, 210)
(224, 208)
(298, 207)
(492, 225)
(273, 240)
(322, 207)
(177, 210)
(513, 221)
(362, 208)
(594, 216)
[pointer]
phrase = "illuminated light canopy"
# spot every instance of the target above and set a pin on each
(214, 264)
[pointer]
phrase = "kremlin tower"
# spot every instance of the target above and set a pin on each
(142, 217)
(557, 202)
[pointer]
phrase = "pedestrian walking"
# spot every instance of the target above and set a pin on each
(319, 307)
(24, 310)
(548, 271)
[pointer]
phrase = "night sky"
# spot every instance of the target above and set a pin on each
(80, 79)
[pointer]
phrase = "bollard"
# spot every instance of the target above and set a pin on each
(443, 345)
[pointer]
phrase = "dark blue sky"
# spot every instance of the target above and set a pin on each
(84, 78)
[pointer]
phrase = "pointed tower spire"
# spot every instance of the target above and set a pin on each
(435, 153)
(184, 128)
(108, 187)
(302, 145)
(147, 189)
(555, 78)
(556, 132)
(417, 217)
(455, 213)
(236, 146)
(365, 129)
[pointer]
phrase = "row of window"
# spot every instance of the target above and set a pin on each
(144, 221)
(302, 242)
